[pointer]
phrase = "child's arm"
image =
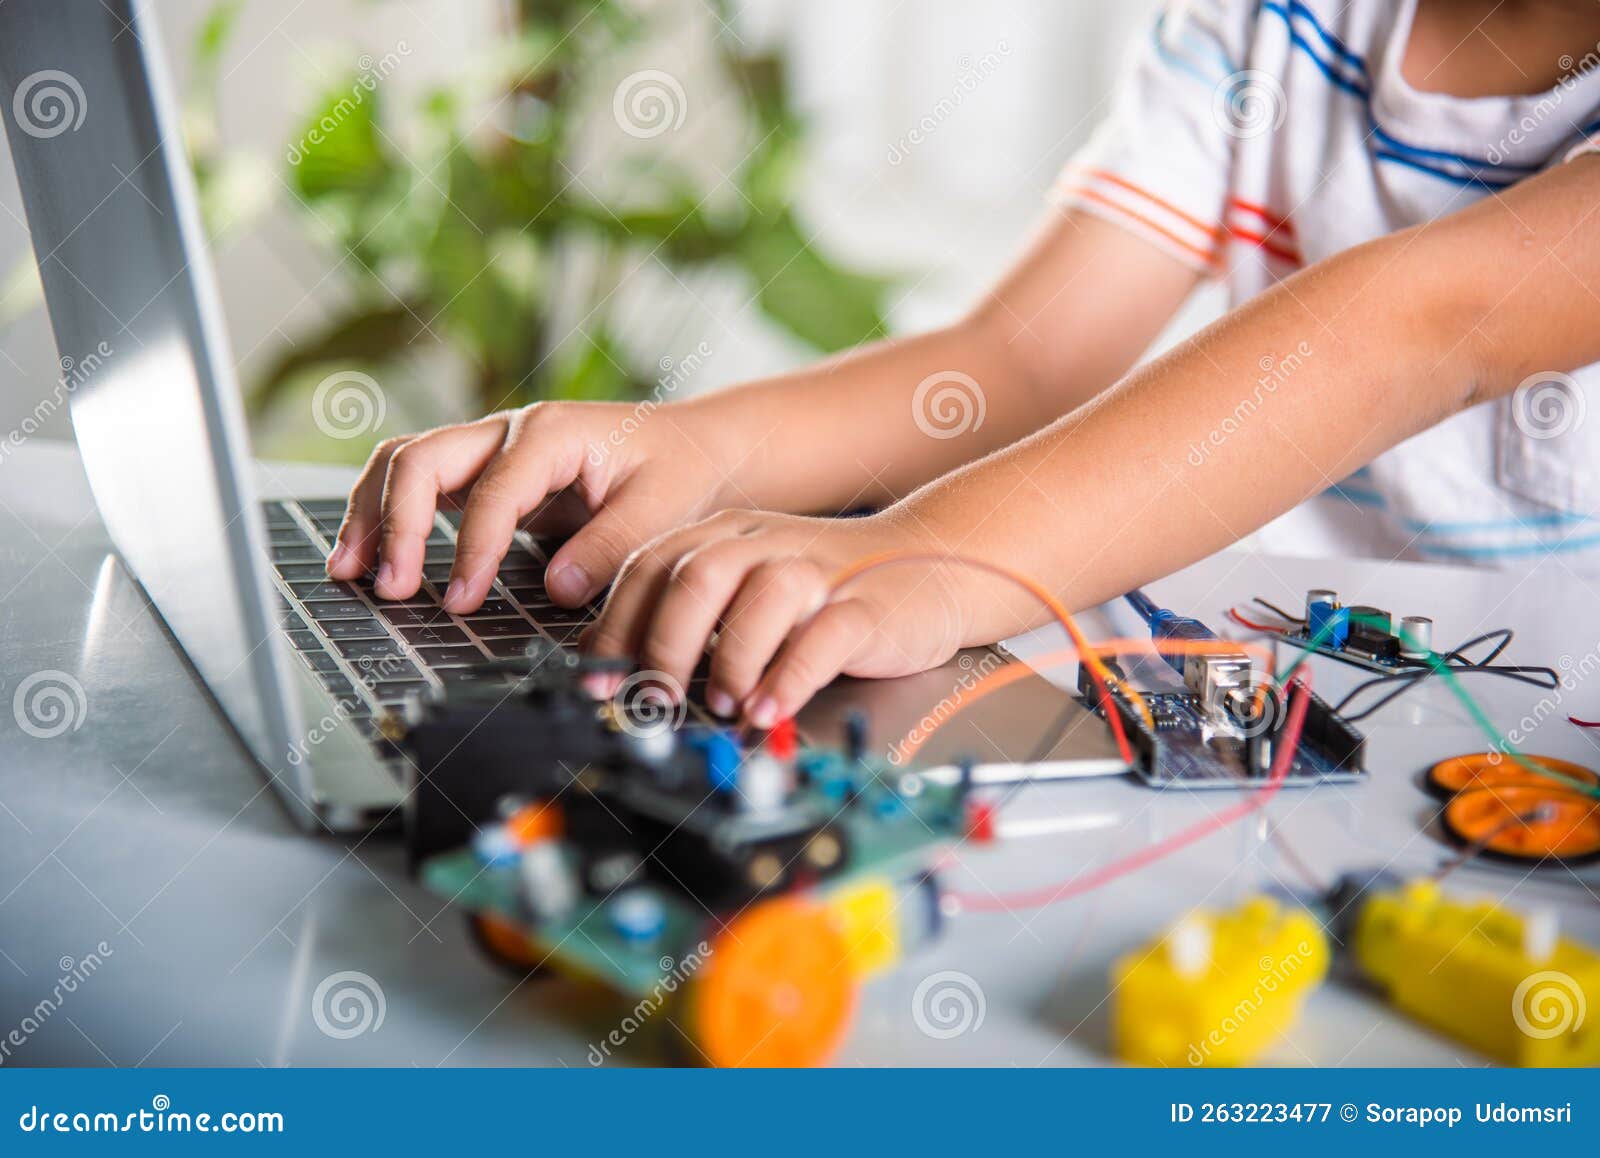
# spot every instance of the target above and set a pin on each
(1065, 324)
(1398, 334)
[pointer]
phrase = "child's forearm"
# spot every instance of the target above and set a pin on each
(1282, 398)
(873, 424)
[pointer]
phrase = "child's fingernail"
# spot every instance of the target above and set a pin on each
(765, 712)
(454, 594)
(385, 574)
(338, 557)
(569, 582)
(720, 702)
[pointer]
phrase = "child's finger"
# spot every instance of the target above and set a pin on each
(588, 561)
(619, 632)
(355, 548)
(775, 596)
(513, 484)
(815, 653)
(691, 601)
(419, 472)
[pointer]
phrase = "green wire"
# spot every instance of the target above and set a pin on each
(1440, 667)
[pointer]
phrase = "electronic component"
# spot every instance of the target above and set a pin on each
(1496, 769)
(1503, 983)
(1530, 823)
(1184, 746)
(1218, 988)
(786, 873)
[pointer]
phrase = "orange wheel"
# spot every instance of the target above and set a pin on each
(505, 944)
(775, 990)
(1495, 770)
(1566, 829)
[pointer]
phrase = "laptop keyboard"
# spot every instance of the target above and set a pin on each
(371, 654)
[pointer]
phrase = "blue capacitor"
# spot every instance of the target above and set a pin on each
(637, 915)
(722, 761)
(1328, 623)
(495, 847)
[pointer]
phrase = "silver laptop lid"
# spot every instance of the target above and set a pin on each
(111, 207)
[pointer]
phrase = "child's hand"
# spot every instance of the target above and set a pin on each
(756, 588)
(614, 479)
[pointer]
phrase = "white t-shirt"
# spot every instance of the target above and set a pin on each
(1255, 137)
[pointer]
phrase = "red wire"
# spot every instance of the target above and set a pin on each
(1050, 894)
(1583, 723)
(1243, 622)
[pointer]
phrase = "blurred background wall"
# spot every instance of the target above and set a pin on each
(924, 137)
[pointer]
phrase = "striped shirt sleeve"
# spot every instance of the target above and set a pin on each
(1160, 164)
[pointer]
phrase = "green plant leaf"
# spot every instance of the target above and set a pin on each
(818, 301)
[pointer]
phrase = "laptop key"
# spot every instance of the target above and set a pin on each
(530, 596)
(302, 571)
(437, 572)
(277, 515)
(287, 535)
(394, 692)
(295, 553)
(368, 628)
(320, 662)
(406, 615)
(501, 628)
(434, 635)
(325, 507)
(372, 670)
(369, 648)
(338, 609)
(289, 621)
(305, 640)
(336, 682)
(444, 657)
(327, 589)
(492, 609)
(507, 648)
(521, 575)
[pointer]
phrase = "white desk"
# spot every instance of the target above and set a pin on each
(148, 829)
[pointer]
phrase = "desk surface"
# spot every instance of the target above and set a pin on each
(147, 829)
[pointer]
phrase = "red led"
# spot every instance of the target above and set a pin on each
(782, 741)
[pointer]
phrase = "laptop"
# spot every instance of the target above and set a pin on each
(303, 667)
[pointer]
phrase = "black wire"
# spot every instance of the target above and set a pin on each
(1278, 611)
(1543, 678)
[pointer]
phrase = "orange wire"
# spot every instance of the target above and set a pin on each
(1102, 678)
(1012, 672)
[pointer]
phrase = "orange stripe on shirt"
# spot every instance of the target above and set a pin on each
(1208, 229)
(1206, 257)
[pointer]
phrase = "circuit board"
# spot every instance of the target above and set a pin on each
(886, 821)
(1186, 749)
(1301, 640)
